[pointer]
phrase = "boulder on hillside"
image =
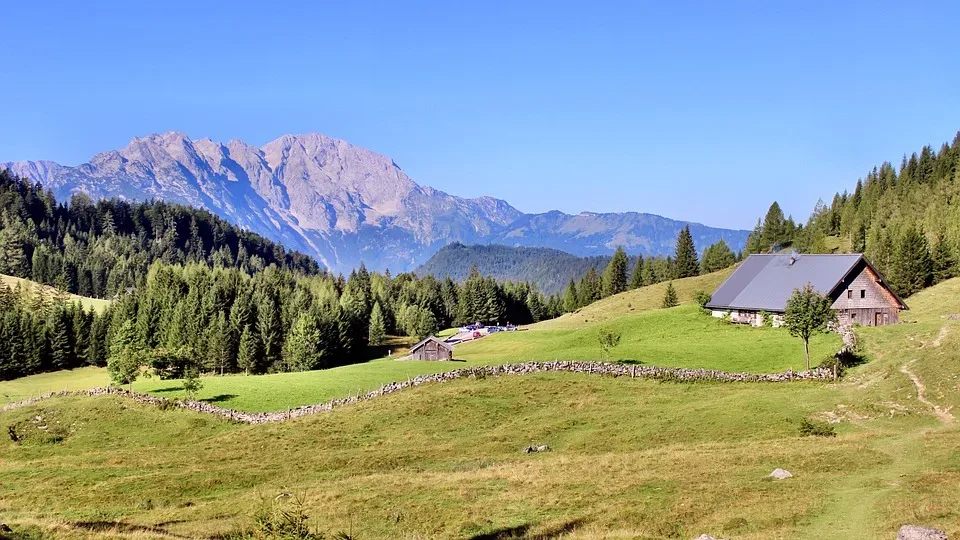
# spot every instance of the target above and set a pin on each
(708, 537)
(916, 532)
(536, 448)
(780, 474)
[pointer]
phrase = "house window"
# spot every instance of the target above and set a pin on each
(849, 293)
(863, 293)
(853, 316)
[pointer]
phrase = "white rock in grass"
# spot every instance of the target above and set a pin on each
(915, 532)
(708, 537)
(780, 474)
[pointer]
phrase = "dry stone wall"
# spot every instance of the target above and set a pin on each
(593, 368)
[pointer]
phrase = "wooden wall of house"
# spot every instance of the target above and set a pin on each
(854, 309)
(431, 350)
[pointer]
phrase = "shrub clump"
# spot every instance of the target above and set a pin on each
(816, 428)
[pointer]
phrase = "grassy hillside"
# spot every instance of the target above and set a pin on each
(629, 458)
(641, 299)
(679, 337)
(51, 293)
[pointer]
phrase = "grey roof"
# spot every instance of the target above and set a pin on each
(766, 282)
(431, 338)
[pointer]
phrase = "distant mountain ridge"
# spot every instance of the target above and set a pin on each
(550, 269)
(344, 204)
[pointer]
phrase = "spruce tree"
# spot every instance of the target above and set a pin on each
(303, 349)
(717, 257)
(686, 262)
(124, 362)
(943, 262)
(590, 288)
(774, 227)
(248, 356)
(378, 329)
(571, 300)
(615, 275)
(912, 266)
(636, 278)
(670, 297)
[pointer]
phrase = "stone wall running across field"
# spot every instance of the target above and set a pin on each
(594, 368)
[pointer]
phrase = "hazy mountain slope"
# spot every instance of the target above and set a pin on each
(550, 269)
(342, 203)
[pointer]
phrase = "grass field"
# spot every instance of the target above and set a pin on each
(51, 293)
(629, 458)
(637, 300)
(679, 337)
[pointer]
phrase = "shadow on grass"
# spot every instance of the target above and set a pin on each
(219, 398)
(522, 532)
(630, 361)
(125, 528)
(167, 389)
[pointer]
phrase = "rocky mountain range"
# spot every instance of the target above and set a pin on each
(344, 204)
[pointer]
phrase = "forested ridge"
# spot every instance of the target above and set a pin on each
(194, 292)
(549, 269)
(905, 219)
(102, 248)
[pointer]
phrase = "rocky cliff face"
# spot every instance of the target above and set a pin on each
(341, 203)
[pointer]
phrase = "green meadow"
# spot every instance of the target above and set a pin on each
(628, 458)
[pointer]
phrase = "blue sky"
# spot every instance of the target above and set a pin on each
(698, 111)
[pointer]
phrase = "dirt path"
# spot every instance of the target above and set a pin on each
(944, 330)
(943, 414)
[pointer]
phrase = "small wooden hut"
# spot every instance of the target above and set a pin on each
(431, 349)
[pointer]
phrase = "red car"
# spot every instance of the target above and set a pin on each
(476, 335)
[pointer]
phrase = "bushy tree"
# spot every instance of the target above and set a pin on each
(304, 349)
(571, 299)
(943, 263)
(807, 313)
(248, 357)
(125, 359)
(608, 341)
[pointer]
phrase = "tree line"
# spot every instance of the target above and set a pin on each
(905, 219)
(623, 273)
(225, 320)
(100, 249)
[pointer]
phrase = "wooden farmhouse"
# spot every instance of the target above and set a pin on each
(764, 283)
(431, 349)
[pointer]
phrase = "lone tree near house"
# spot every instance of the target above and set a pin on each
(670, 297)
(807, 314)
(686, 260)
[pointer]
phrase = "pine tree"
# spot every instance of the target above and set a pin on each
(615, 275)
(774, 227)
(670, 297)
(912, 266)
(248, 356)
(378, 329)
(590, 288)
(717, 257)
(943, 262)
(61, 348)
(303, 349)
(571, 301)
(686, 261)
(636, 278)
(124, 362)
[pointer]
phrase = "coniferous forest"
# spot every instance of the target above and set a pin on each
(191, 290)
(905, 219)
